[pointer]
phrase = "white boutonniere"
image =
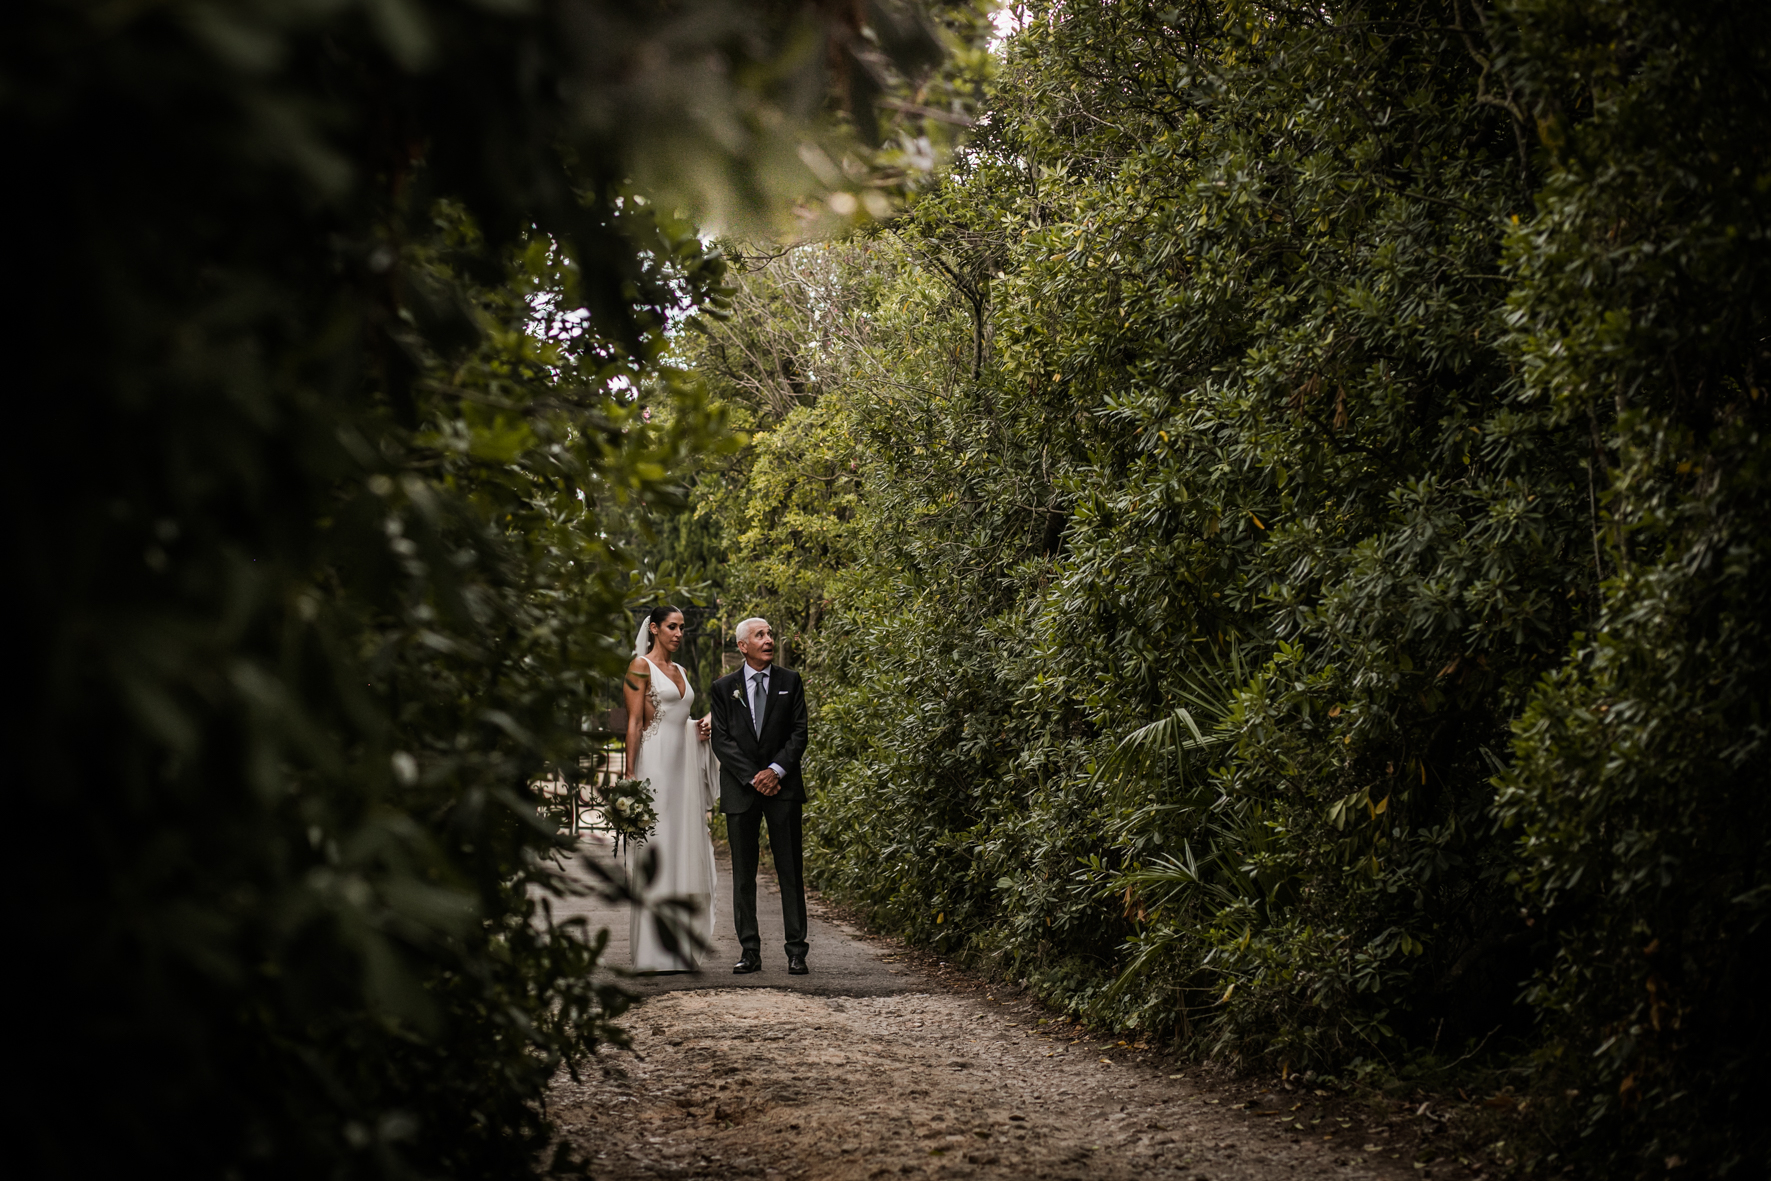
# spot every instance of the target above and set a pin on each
(737, 695)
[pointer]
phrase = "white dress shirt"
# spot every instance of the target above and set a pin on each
(751, 675)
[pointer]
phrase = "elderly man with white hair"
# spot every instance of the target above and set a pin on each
(759, 734)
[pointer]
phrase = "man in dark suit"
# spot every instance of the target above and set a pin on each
(759, 734)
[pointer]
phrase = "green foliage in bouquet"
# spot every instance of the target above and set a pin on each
(627, 810)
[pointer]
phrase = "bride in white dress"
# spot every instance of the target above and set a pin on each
(668, 746)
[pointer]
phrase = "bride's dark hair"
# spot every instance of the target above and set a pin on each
(656, 618)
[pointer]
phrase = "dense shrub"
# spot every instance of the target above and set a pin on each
(1243, 405)
(1189, 508)
(1642, 308)
(330, 324)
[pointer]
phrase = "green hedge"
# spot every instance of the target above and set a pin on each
(1276, 537)
(329, 331)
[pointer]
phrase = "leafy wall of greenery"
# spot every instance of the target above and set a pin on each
(1641, 307)
(1274, 536)
(325, 416)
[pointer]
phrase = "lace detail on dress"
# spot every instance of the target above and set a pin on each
(651, 730)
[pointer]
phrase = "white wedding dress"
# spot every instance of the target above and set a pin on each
(678, 764)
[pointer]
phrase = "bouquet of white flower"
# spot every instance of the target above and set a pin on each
(628, 812)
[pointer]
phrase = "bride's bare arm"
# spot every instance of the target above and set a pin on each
(633, 693)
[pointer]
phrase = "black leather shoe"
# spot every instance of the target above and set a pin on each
(749, 963)
(796, 965)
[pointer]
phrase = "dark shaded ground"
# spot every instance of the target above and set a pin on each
(842, 962)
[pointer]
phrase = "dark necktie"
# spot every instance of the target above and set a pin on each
(759, 697)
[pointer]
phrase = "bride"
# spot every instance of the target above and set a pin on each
(664, 745)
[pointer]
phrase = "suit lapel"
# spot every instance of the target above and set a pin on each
(778, 684)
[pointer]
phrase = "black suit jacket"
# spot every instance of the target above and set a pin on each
(743, 752)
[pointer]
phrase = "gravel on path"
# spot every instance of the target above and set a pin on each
(769, 1083)
(869, 1069)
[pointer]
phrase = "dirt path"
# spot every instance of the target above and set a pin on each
(740, 1077)
(843, 962)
